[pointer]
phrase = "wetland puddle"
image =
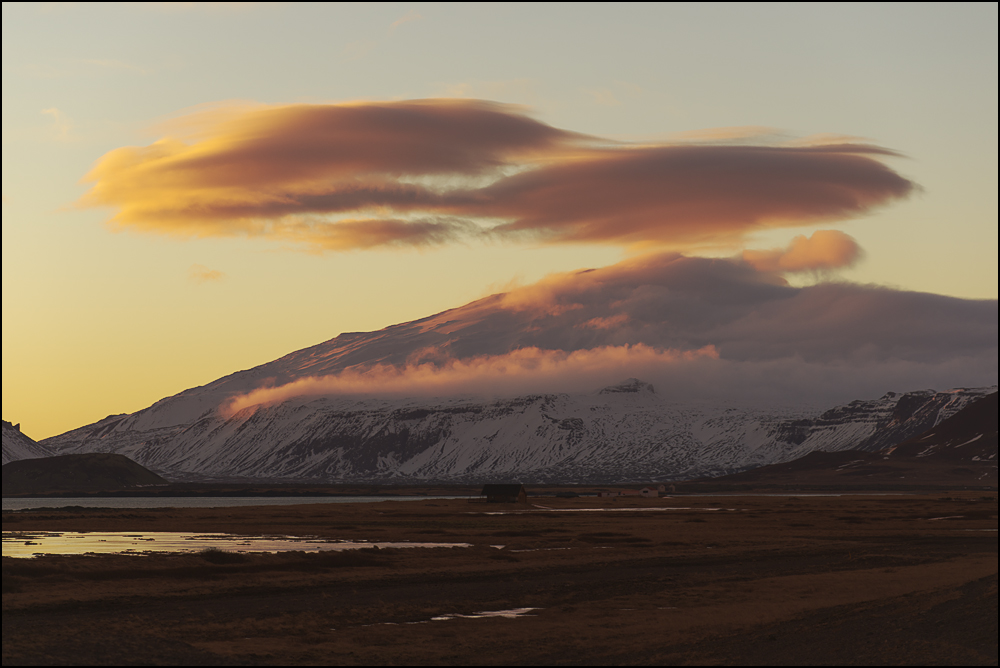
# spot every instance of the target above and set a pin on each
(486, 614)
(639, 509)
(31, 543)
(513, 613)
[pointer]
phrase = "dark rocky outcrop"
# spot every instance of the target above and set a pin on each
(969, 435)
(92, 472)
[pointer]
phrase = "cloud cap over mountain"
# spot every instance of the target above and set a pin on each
(695, 327)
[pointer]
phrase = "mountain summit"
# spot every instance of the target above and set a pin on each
(630, 386)
(17, 445)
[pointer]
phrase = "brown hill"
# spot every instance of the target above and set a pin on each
(94, 472)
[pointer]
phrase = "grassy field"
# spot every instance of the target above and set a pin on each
(889, 579)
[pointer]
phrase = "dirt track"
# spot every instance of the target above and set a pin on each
(729, 580)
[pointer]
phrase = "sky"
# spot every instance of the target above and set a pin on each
(194, 189)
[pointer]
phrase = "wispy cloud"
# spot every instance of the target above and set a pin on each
(409, 17)
(523, 89)
(744, 134)
(76, 67)
(200, 274)
(62, 125)
(202, 7)
(489, 374)
(603, 96)
(612, 96)
(111, 64)
(359, 48)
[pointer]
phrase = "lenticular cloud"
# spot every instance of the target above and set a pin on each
(431, 172)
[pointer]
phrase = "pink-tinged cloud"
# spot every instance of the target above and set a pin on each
(824, 250)
(753, 336)
(411, 173)
(544, 370)
(253, 171)
(370, 233)
(692, 194)
(606, 323)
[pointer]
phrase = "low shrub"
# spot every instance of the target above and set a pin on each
(214, 555)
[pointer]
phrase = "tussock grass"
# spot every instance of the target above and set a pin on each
(209, 564)
(609, 537)
(214, 555)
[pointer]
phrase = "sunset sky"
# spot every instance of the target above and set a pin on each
(192, 190)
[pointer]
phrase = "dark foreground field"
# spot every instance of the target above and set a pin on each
(727, 580)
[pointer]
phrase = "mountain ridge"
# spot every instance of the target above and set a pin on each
(598, 437)
(17, 445)
(960, 449)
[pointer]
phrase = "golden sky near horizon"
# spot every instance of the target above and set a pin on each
(193, 190)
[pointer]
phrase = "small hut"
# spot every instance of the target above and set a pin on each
(512, 493)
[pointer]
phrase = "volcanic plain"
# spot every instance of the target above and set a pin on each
(903, 578)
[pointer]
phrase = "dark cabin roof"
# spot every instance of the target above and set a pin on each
(502, 490)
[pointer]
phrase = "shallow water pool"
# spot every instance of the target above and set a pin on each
(32, 543)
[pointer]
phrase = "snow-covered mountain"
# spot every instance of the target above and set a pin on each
(709, 333)
(622, 433)
(17, 446)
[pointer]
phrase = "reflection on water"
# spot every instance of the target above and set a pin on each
(513, 613)
(506, 614)
(31, 543)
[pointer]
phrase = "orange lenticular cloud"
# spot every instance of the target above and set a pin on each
(245, 171)
(693, 194)
(825, 249)
(438, 171)
(510, 373)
